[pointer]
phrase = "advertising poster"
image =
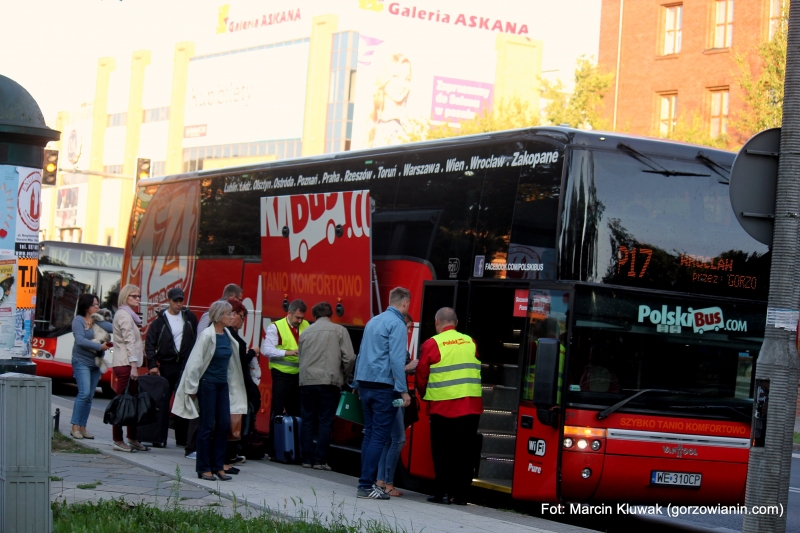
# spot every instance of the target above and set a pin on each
(8, 319)
(26, 282)
(8, 206)
(317, 247)
(29, 210)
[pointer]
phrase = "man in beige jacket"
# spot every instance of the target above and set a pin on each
(326, 357)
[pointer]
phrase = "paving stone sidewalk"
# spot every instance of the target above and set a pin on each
(78, 477)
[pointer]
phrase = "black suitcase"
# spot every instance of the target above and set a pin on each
(156, 433)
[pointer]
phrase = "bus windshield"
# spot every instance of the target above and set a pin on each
(626, 341)
(65, 272)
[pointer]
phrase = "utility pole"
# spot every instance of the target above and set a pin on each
(777, 366)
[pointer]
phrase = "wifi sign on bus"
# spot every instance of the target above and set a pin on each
(316, 247)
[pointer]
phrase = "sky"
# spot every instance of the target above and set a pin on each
(52, 47)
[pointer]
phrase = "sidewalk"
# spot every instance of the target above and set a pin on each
(294, 491)
(76, 478)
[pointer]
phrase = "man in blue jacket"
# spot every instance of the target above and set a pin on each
(380, 379)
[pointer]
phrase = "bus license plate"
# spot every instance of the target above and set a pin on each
(678, 479)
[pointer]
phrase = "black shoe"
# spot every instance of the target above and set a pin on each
(223, 477)
(232, 470)
(205, 477)
(458, 501)
(439, 499)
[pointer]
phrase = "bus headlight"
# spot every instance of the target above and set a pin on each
(595, 445)
(582, 444)
(44, 354)
(586, 472)
(568, 442)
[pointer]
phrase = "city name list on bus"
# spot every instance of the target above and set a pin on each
(247, 183)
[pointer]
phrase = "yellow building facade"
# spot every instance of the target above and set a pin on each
(277, 85)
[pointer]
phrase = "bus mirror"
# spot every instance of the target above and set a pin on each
(545, 385)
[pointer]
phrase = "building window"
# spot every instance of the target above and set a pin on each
(157, 168)
(673, 17)
(341, 92)
(723, 23)
(667, 113)
(719, 112)
(159, 114)
(117, 119)
(282, 149)
(775, 15)
(112, 169)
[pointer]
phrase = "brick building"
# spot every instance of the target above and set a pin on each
(674, 61)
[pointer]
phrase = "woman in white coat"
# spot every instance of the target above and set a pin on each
(212, 388)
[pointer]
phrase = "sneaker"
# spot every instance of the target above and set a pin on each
(374, 493)
(306, 465)
(122, 447)
(192, 455)
(239, 460)
(324, 467)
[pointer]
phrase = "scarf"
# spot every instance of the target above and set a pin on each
(135, 317)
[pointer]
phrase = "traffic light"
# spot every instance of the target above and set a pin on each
(142, 169)
(50, 168)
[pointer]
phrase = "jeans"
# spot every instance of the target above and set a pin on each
(379, 415)
(285, 395)
(122, 375)
(318, 403)
(215, 422)
(454, 464)
(87, 378)
(391, 450)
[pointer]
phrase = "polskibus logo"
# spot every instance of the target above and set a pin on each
(309, 219)
(700, 320)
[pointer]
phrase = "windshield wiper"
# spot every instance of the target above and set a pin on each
(604, 413)
(655, 168)
(716, 167)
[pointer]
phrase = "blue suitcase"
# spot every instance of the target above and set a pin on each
(287, 439)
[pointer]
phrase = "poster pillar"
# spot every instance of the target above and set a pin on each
(23, 136)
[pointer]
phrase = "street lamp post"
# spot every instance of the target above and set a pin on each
(23, 136)
(777, 368)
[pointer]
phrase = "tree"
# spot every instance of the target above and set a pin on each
(763, 93)
(581, 108)
(508, 114)
(692, 129)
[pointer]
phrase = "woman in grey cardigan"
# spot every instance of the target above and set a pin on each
(84, 369)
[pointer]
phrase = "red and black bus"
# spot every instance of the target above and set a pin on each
(618, 306)
(66, 271)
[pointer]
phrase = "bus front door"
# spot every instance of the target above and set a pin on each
(537, 451)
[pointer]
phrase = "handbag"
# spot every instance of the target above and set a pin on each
(121, 411)
(411, 413)
(349, 408)
(146, 409)
(235, 433)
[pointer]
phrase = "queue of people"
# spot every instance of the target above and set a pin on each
(208, 368)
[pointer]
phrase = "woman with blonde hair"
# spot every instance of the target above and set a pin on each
(388, 120)
(212, 388)
(128, 358)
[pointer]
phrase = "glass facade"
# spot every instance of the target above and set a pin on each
(283, 148)
(341, 95)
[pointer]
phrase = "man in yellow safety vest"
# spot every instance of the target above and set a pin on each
(449, 377)
(280, 345)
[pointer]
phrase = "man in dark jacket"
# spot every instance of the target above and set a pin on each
(170, 339)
